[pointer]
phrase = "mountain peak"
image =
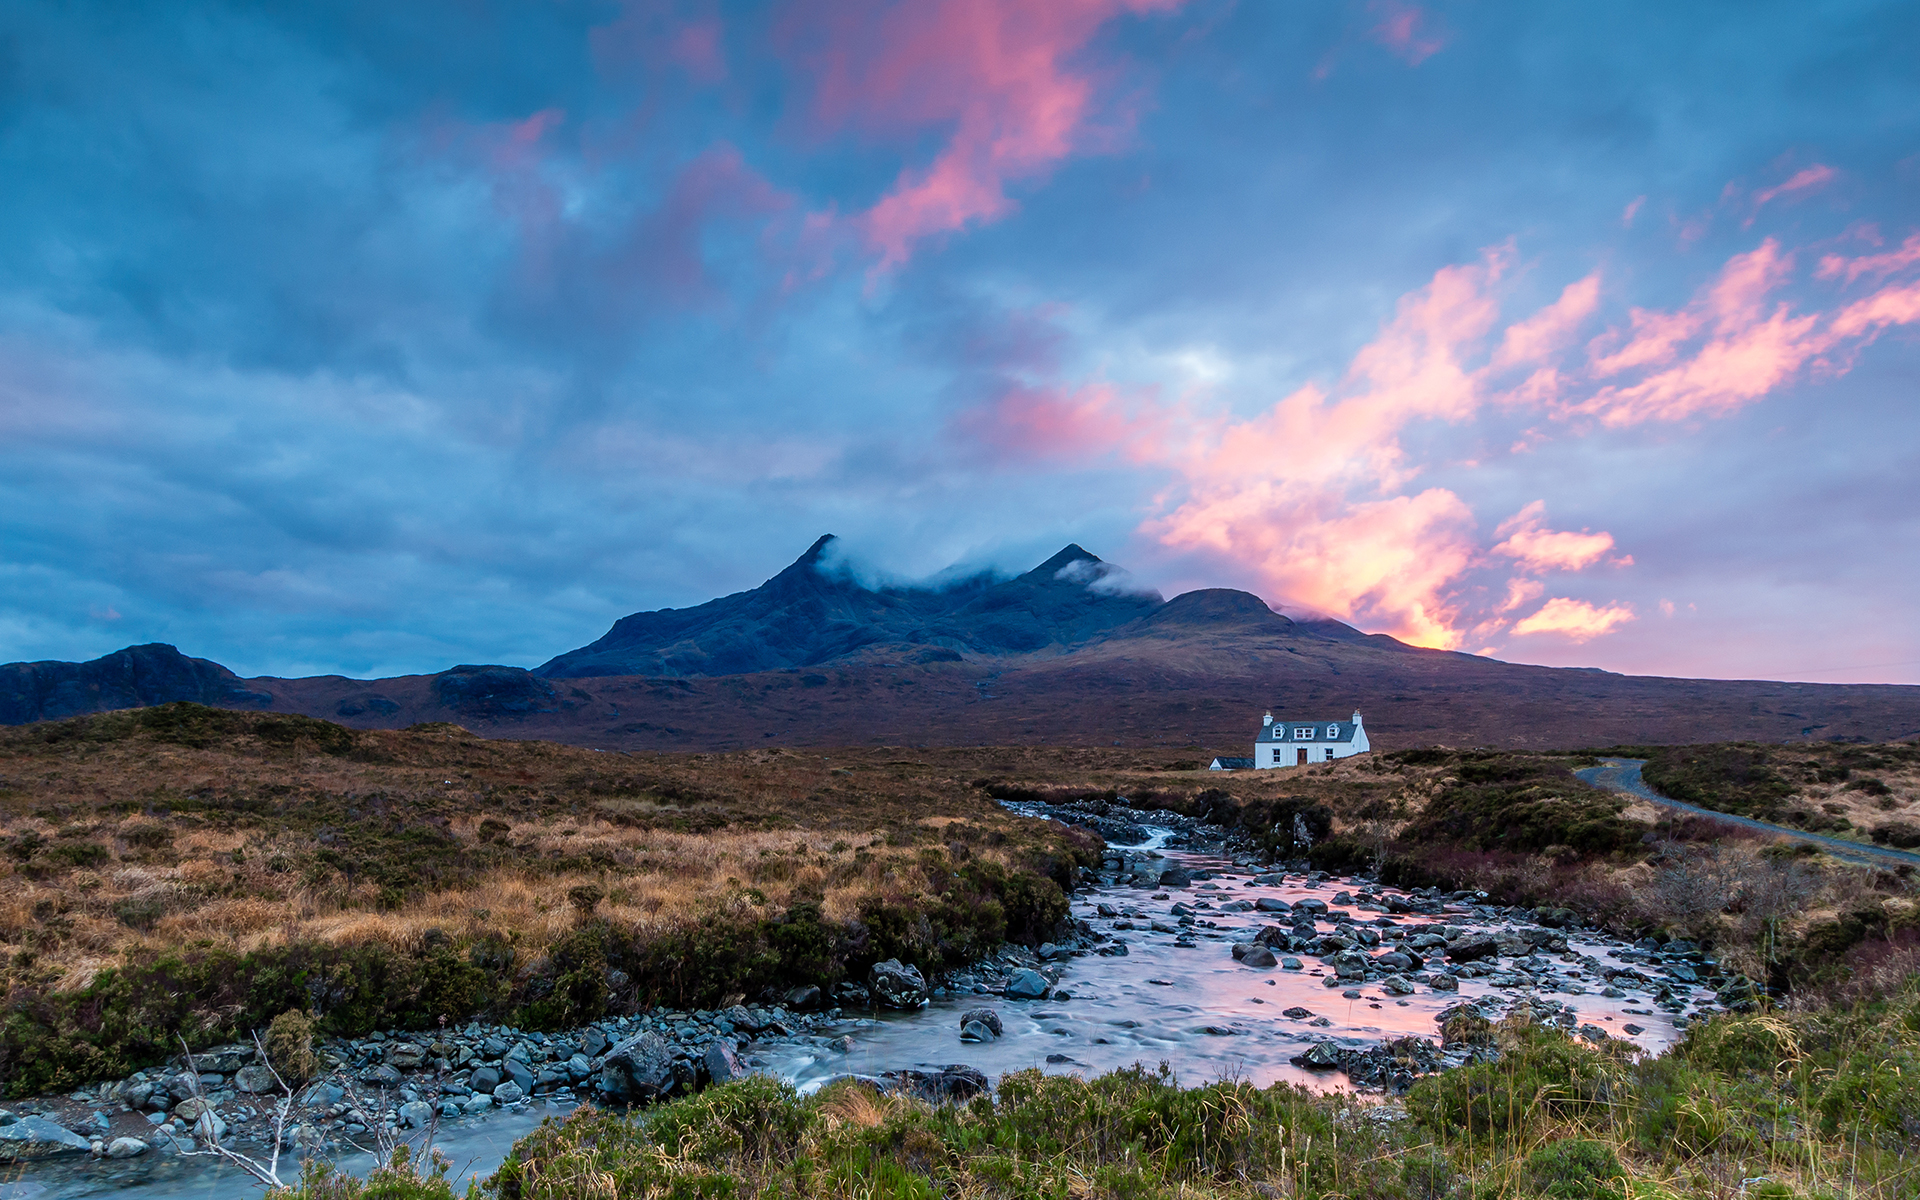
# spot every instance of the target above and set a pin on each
(1073, 553)
(814, 551)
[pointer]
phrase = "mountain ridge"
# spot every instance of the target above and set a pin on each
(1064, 653)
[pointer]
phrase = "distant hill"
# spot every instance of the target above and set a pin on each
(1063, 654)
(131, 678)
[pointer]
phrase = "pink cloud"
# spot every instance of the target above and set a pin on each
(1811, 179)
(1405, 30)
(1056, 423)
(696, 47)
(1549, 330)
(1000, 75)
(1310, 496)
(1575, 619)
(1538, 548)
(1834, 266)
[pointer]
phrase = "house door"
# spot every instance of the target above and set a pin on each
(1302, 760)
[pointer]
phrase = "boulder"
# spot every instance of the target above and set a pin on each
(517, 1071)
(254, 1079)
(484, 1080)
(1440, 981)
(1027, 984)
(1272, 904)
(896, 985)
(126, 1147)
(405, 1056)
(852, 995)
(1472, 947)
(1297, 1013)
(477, 1104)
(638, 1070)
(210, 1128)
(1321, 1056)
(985, 1017)
(509, 1093)
(805, 998)
(37, 1137)
(1259, 956)
(1292, 964)
(722, 1063)
(1176, 877)
(1350, 964)
(594, 1042)
(385, 1075)
(416, 1115)
(955, 1082)
(1312, 905)
(1397, 985)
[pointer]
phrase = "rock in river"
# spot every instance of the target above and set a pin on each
(1472, 947)
(1259, 956)
(986, 1018)
(896, 985)
(1027, 984)
(37, 1137)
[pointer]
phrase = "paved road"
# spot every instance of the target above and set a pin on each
(1623, 775)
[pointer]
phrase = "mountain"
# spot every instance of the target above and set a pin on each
(129, 678)
(808, 615)
(1063, 654)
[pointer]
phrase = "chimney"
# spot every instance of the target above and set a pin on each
(1268, 720)
(1356, 716)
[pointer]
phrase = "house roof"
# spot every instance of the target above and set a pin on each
(1316, 731)
(1232, 764)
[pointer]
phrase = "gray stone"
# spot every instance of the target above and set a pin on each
(210, 1128)
(1472, 947)
(1440, 981)
(1272, 904)
(1292, 964)
(1350, 964)
(1397, 985)
(477, 1104)
(578, 1067)
(1321, 1056)
(984, 1017)
(256, 1078)
(417, 1115)
(974, 1031)
(405, 1055)
(722, 1063)
(1027, 984)
(805, 998)
(37, 1137)
(1259, 956)
(509, 1093)
(594, 1042)
(637, 1070)
(896, 985)
(384, 1076)
(484, 1079)
(126, 1147)
(517, 1071)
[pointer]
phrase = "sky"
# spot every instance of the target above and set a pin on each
(371, 338)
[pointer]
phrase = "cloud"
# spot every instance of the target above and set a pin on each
(1001, 76)
(1810, 179)
(1405, 30)
(1835, 266)
(1312, 496)
(1575, 619)
(1540, 549)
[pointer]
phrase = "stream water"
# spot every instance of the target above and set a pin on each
(1192, 1007)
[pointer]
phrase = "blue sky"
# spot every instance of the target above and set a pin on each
(372, 338)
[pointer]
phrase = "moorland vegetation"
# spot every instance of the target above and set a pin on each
(183, 872)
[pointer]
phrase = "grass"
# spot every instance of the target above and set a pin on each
(1814, 1103)
(184, 871)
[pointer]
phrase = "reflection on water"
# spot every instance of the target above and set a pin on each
(1194, 1008)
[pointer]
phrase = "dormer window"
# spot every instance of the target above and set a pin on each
(1303, 733)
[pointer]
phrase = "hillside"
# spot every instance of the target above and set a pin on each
(1054, 656)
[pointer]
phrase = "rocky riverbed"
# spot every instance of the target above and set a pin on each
(1182, 948)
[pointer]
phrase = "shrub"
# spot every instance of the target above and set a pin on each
(289, 1046)
(1580, 1169)
(1543, 1075)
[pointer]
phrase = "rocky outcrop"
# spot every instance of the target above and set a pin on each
(135, 677)
(896, 985)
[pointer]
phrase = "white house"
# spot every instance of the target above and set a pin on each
(1296, 743)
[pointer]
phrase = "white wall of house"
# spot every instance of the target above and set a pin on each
(1297, 743)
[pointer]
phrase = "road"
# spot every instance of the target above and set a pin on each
(1623, 775)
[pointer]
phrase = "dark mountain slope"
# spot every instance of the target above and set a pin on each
(131, 678)
(808, 615)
